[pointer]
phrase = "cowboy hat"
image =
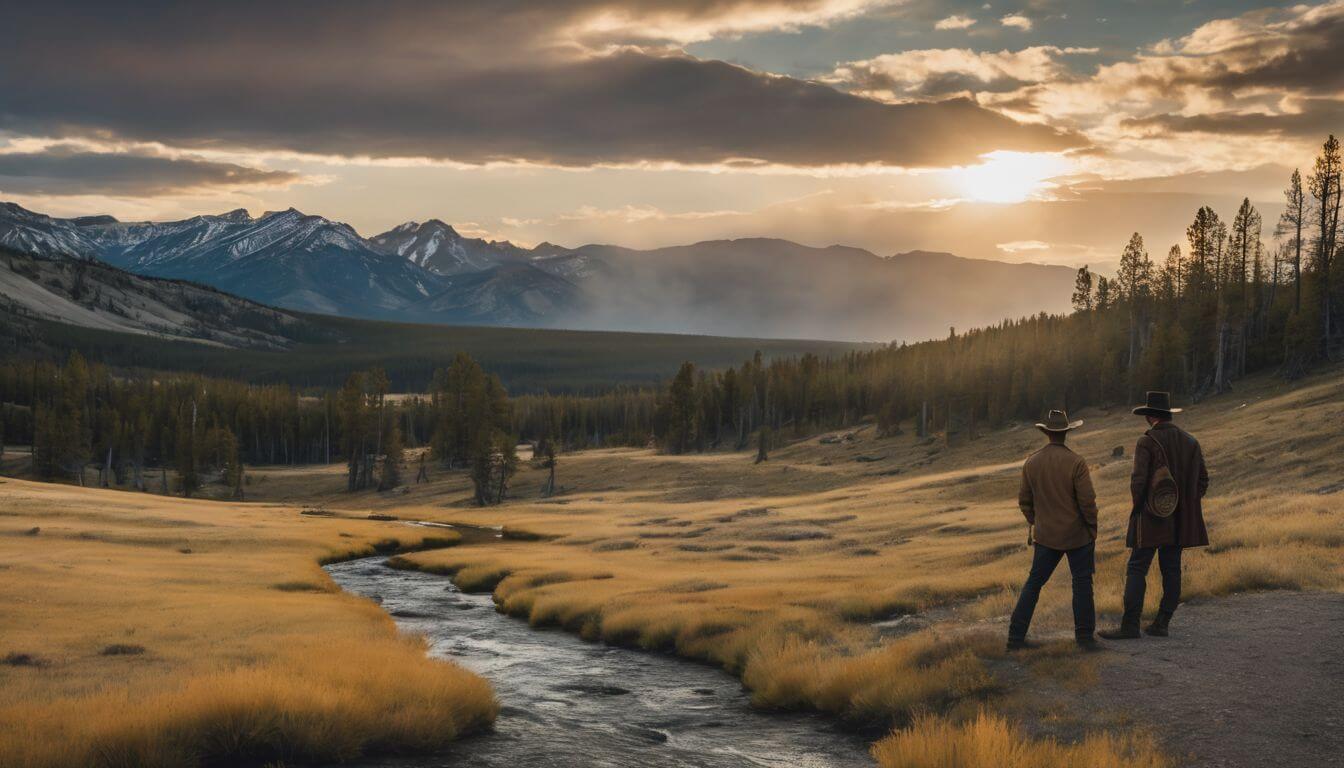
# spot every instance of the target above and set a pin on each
(1058, 421)
(1159, 404)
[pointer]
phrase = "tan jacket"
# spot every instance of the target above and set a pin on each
(1057, 497)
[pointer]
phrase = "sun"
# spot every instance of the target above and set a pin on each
(1008, 177)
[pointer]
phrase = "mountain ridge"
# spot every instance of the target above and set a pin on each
(429, 272)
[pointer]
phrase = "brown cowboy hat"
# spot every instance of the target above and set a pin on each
(1159, 404)
(1058, 421)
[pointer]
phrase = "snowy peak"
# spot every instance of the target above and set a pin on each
(438, 247)
(237, 215)
(33, 233)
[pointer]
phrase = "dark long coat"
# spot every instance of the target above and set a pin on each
(1185, 527)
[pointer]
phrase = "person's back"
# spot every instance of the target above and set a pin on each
(1185, 459)
(1057, 499)
(1152, 535)
(1052, 476)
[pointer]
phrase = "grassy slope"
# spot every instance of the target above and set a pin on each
(777, 571)
(528, 360)
(141, 630)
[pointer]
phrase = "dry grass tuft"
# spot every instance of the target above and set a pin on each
(887, 684)
(989, 740)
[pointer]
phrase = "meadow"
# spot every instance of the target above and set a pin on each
(868, 578)
(141, 630)
(871, 578)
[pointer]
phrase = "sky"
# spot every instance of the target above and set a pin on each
(1033, 130)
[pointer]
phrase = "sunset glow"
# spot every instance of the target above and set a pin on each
(1008, 177)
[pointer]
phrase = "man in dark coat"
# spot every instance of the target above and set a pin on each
(1057, 499)
(1149, 535)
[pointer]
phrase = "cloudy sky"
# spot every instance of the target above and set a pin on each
(1032, 130)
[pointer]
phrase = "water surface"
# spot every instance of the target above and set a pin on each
(567, 702)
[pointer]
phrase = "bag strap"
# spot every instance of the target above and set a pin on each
(1160, 450)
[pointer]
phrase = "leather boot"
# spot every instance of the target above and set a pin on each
(1159, 626)
(1124, 632)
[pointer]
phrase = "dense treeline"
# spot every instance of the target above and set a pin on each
(1223, 306)
(79, 415)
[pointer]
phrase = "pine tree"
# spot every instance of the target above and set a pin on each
(1133, 285)
(394, 448)
(681, 410)
(1324, 185)
(1291, 223)
(186, 457)
(1082, 290)
(352, 406)
(1104, 296)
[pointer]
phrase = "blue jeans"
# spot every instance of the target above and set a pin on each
(1082, 564)
(1136, 581)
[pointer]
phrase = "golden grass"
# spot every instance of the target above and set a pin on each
(776, 571)
(989, 740)
(247, 652)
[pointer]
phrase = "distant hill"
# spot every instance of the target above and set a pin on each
(90, 295)
(428, 272)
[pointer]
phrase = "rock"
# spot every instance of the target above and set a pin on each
(123, 649)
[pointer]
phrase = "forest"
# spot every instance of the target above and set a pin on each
(1223, 304)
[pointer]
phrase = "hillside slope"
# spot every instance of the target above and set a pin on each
(94, 296)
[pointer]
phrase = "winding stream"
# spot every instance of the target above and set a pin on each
(566, 702)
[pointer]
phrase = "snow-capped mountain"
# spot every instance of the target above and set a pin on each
(428, 272)
(439, 248)
(284, 258)
(27, 232)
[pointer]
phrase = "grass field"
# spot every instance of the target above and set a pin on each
(867, 578)
(789, 573)
(138, 630)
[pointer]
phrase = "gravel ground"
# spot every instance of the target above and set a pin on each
(1243, 682)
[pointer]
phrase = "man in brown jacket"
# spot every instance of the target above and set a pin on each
(1149, 535)
(1057, 499)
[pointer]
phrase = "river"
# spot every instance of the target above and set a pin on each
(567, 702)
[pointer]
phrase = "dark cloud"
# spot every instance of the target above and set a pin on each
(471, 82)
(63, 171)
(1314, 118)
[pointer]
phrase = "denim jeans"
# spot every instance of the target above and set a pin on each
(1136, 581)
(1082, 564)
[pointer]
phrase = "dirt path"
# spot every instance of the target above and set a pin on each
(1243, 682)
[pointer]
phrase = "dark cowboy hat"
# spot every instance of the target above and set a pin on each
(1058, 421)
(1159, 404)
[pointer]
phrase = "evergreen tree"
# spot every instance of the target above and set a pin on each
(1324, 185)
(394, 448)
(1082, 290)
(1291, 224)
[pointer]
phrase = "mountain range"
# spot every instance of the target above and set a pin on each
(429, 272)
